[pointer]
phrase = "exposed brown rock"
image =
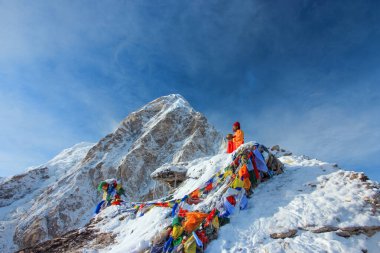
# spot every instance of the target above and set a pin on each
(73, 241)
(361, 176)
(343, 232)
(170, 174)
(289, 234)
(275, 164)
(350, 231)
(35, 233)
(346, 231)
(280, 151)
(374, 201)
(324, 229)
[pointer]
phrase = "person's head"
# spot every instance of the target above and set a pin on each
(236, 126)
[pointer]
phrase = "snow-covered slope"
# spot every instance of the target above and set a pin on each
(311, 203)
(312, 207)
(60, 195)
(135, 235)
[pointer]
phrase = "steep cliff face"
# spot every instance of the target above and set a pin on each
(167, 130)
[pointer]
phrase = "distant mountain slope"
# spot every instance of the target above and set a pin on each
(19, 193)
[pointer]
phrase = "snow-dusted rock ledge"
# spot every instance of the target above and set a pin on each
(172, 174)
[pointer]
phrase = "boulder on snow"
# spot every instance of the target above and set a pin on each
(278, 152)
(350, 231)
(361, 176)
(324, 229)
(289, 234)
(170, 174)
(274, 164)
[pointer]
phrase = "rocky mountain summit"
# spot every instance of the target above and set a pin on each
(60, 195)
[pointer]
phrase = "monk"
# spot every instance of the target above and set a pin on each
(238, 137)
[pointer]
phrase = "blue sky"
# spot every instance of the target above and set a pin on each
(302, 74)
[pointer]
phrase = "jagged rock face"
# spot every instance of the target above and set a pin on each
(18, 186)
(167, 130)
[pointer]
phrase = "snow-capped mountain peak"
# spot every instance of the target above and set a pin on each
(166, 130)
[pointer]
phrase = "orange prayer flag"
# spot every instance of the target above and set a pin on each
(193, 220)
(195, 194)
